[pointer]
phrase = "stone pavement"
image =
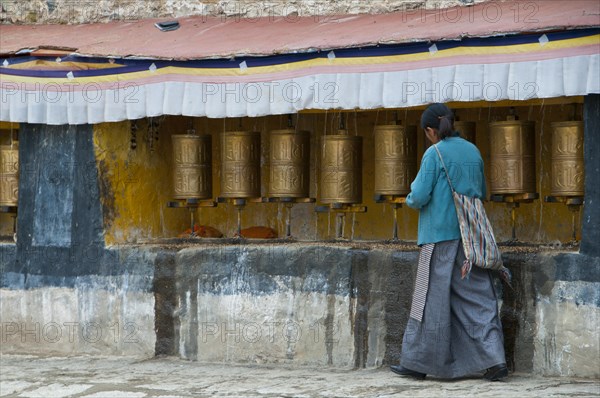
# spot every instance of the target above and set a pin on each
(116, 377)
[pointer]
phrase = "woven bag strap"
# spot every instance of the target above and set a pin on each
(444, 166)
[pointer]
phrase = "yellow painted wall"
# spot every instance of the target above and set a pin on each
(135, 184)
(141, 181)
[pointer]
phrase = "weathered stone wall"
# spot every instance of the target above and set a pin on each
(108, 311)
(309, 304)
(551, 316)
(567, 315)
(86, 11)
(347, 306)
(301, 304)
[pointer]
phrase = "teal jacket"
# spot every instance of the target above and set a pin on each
(431, 194)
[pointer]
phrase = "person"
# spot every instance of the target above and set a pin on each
(454, 329)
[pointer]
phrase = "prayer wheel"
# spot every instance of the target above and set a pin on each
(467, 130)
(567, 159)
(240, 164)
(512, 157)
(9, 175)
(289, 164)
(192, 173)
(395, 159)
(341, 169)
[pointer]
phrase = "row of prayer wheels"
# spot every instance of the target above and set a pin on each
(9, 175)
(289, 166)
(341, 167)
(512, 162)
(512, 158)
(240, 165)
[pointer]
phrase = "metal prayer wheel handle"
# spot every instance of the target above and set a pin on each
(574, 204)
(341, 169)
(567, 159)
(513, 220)
(240, 204)
(14, 217)
(191, 205)
(396, 202)
(289, 204)
(340, 209)
(512, 157)
(288, 221)
(340, 221)
(240, 165)
(289, 164)
(574, 216)
(467, 130)
(395, 232)
(192, 171)
(514, 201)
(395, 208)
(239, 220)
(395, 159)
(9, 175)
(191, 221)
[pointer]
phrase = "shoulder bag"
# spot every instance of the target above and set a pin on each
(478, 239)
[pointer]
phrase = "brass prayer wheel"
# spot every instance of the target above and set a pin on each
(240, 164)
(192, 174)
(467, 130)
(395, 159)
(289, 164)
(512, 157)
(341, 169)
(9, 175)
(567, 159)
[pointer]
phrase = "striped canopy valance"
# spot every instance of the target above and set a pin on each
(77, 90)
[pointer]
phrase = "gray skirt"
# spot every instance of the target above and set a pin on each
(459, 332)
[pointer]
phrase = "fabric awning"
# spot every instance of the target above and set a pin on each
(77, 89)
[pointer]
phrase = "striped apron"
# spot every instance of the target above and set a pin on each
(422, 282)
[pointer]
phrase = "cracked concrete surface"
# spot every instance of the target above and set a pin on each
(119, 377)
